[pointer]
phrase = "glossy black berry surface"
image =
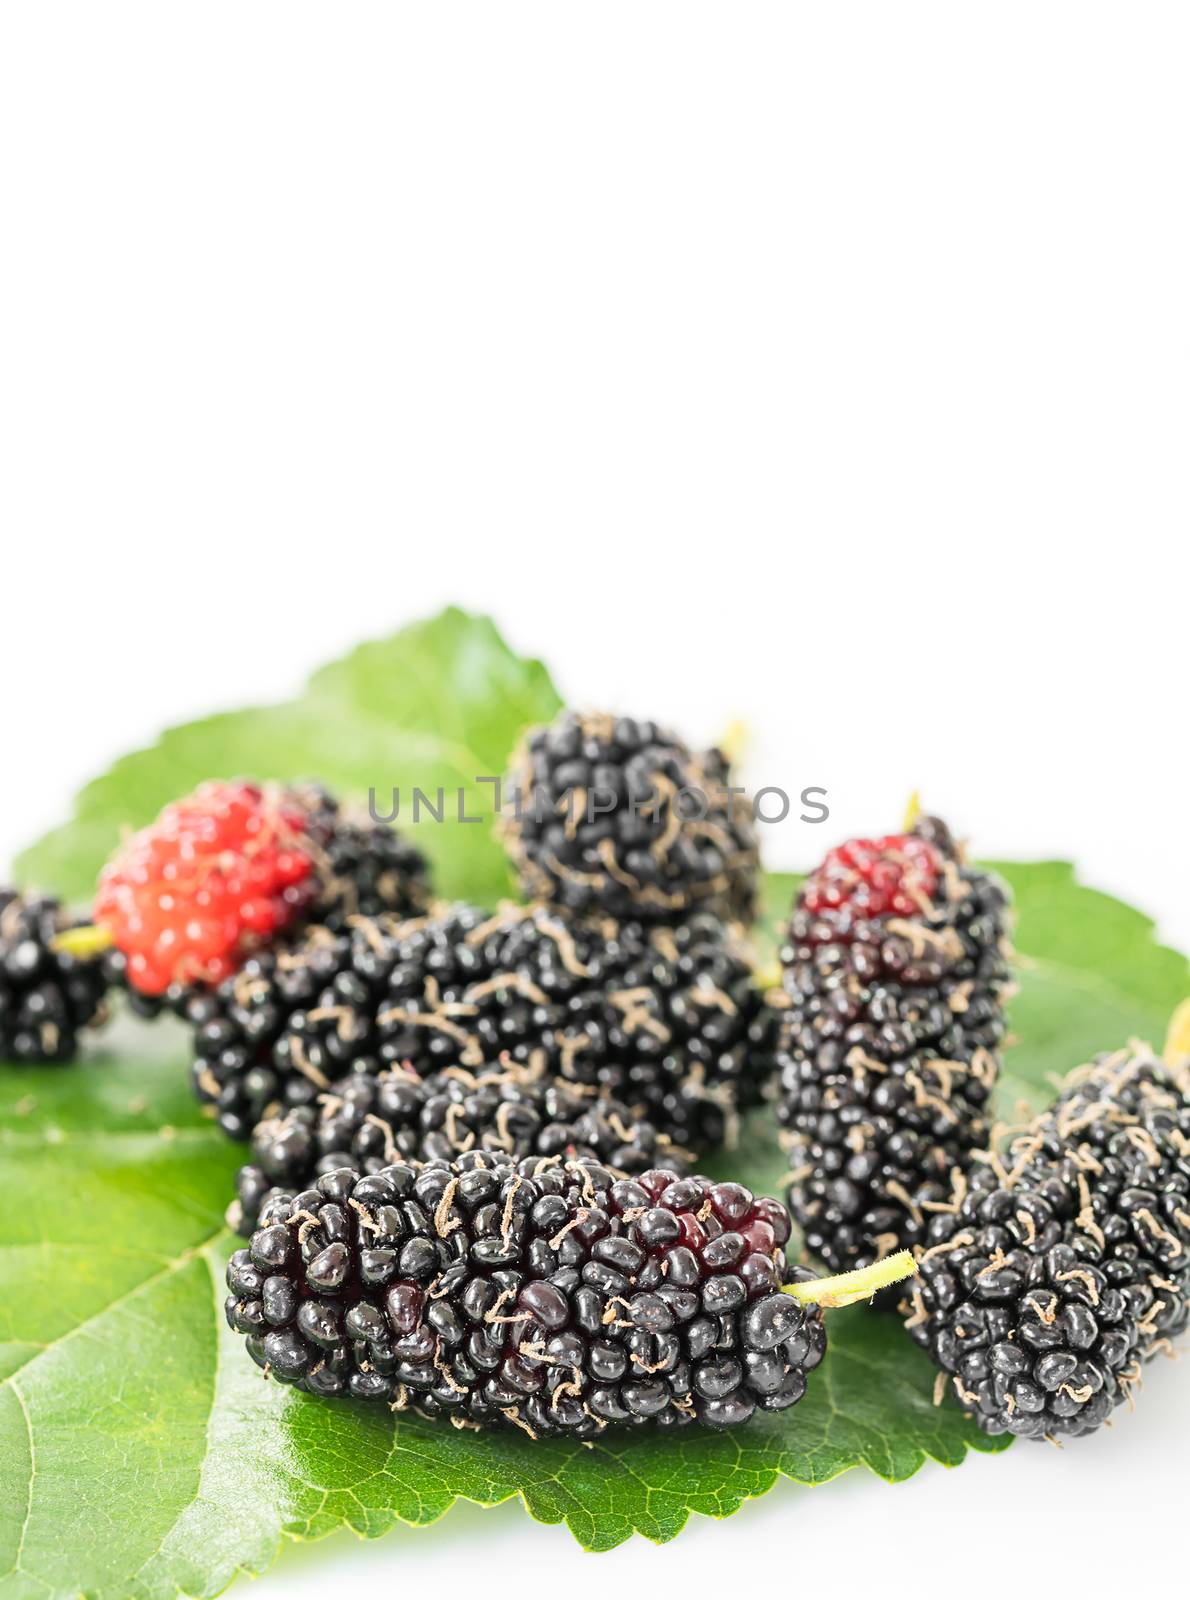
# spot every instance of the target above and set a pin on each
(46, 995)
(548, 1295)
(237, 1027)
(665, 1020)
(616, 817)
(364, 868)
(368, 1122)
(1063, 1261)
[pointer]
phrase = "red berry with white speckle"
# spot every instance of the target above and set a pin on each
(223, 870)
(235, 866)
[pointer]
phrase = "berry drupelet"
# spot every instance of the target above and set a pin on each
(665, 1020)
(550, 1295)
(895, 972)
(370, 1122)
(238, 1024)
(364, 868)
(613, 817)
(46, 994)
(1062, 1262)
(235, 867)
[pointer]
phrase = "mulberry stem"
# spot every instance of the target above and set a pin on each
(848, 1288)
(1177, 1040)
(735, 741)
(84, 942)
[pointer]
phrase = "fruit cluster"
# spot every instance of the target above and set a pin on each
(471, 1132)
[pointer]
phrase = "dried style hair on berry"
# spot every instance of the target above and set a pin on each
(237, 1025)
(1062, 1263)
(368, 1123)
(895, 975)
(364, 868)
(546, 1295)
(236, 867)
(668, 1021)
(613, 817)
(47, 995)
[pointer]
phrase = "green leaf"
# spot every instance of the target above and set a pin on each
(1091, 978)
(140, 1451)
(438, 705)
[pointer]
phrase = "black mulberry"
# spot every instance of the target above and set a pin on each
(549, 1295)
(665, 1020)
(615, 817)
(365, 868)
(46, 994)
(369, 1122)
(1062, 1262)
(895, 971)
(237, 1026)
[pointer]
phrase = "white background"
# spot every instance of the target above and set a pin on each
(823, 367)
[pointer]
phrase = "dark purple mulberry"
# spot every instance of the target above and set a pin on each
(549, 1295)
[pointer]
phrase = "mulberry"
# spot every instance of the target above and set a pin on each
(46, 994)
(364, 868)
(665, 1020)
(895, 972)
(236, 866)
(549, 1295)
(237, 1026)
(1062, 1263)
(619, 818)
(370, 1122)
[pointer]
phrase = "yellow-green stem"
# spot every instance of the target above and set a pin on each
(1177, 1040)
(736, 739)
(83, 942)
(848, 1288)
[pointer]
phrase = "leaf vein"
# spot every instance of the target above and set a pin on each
(145, 1284)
